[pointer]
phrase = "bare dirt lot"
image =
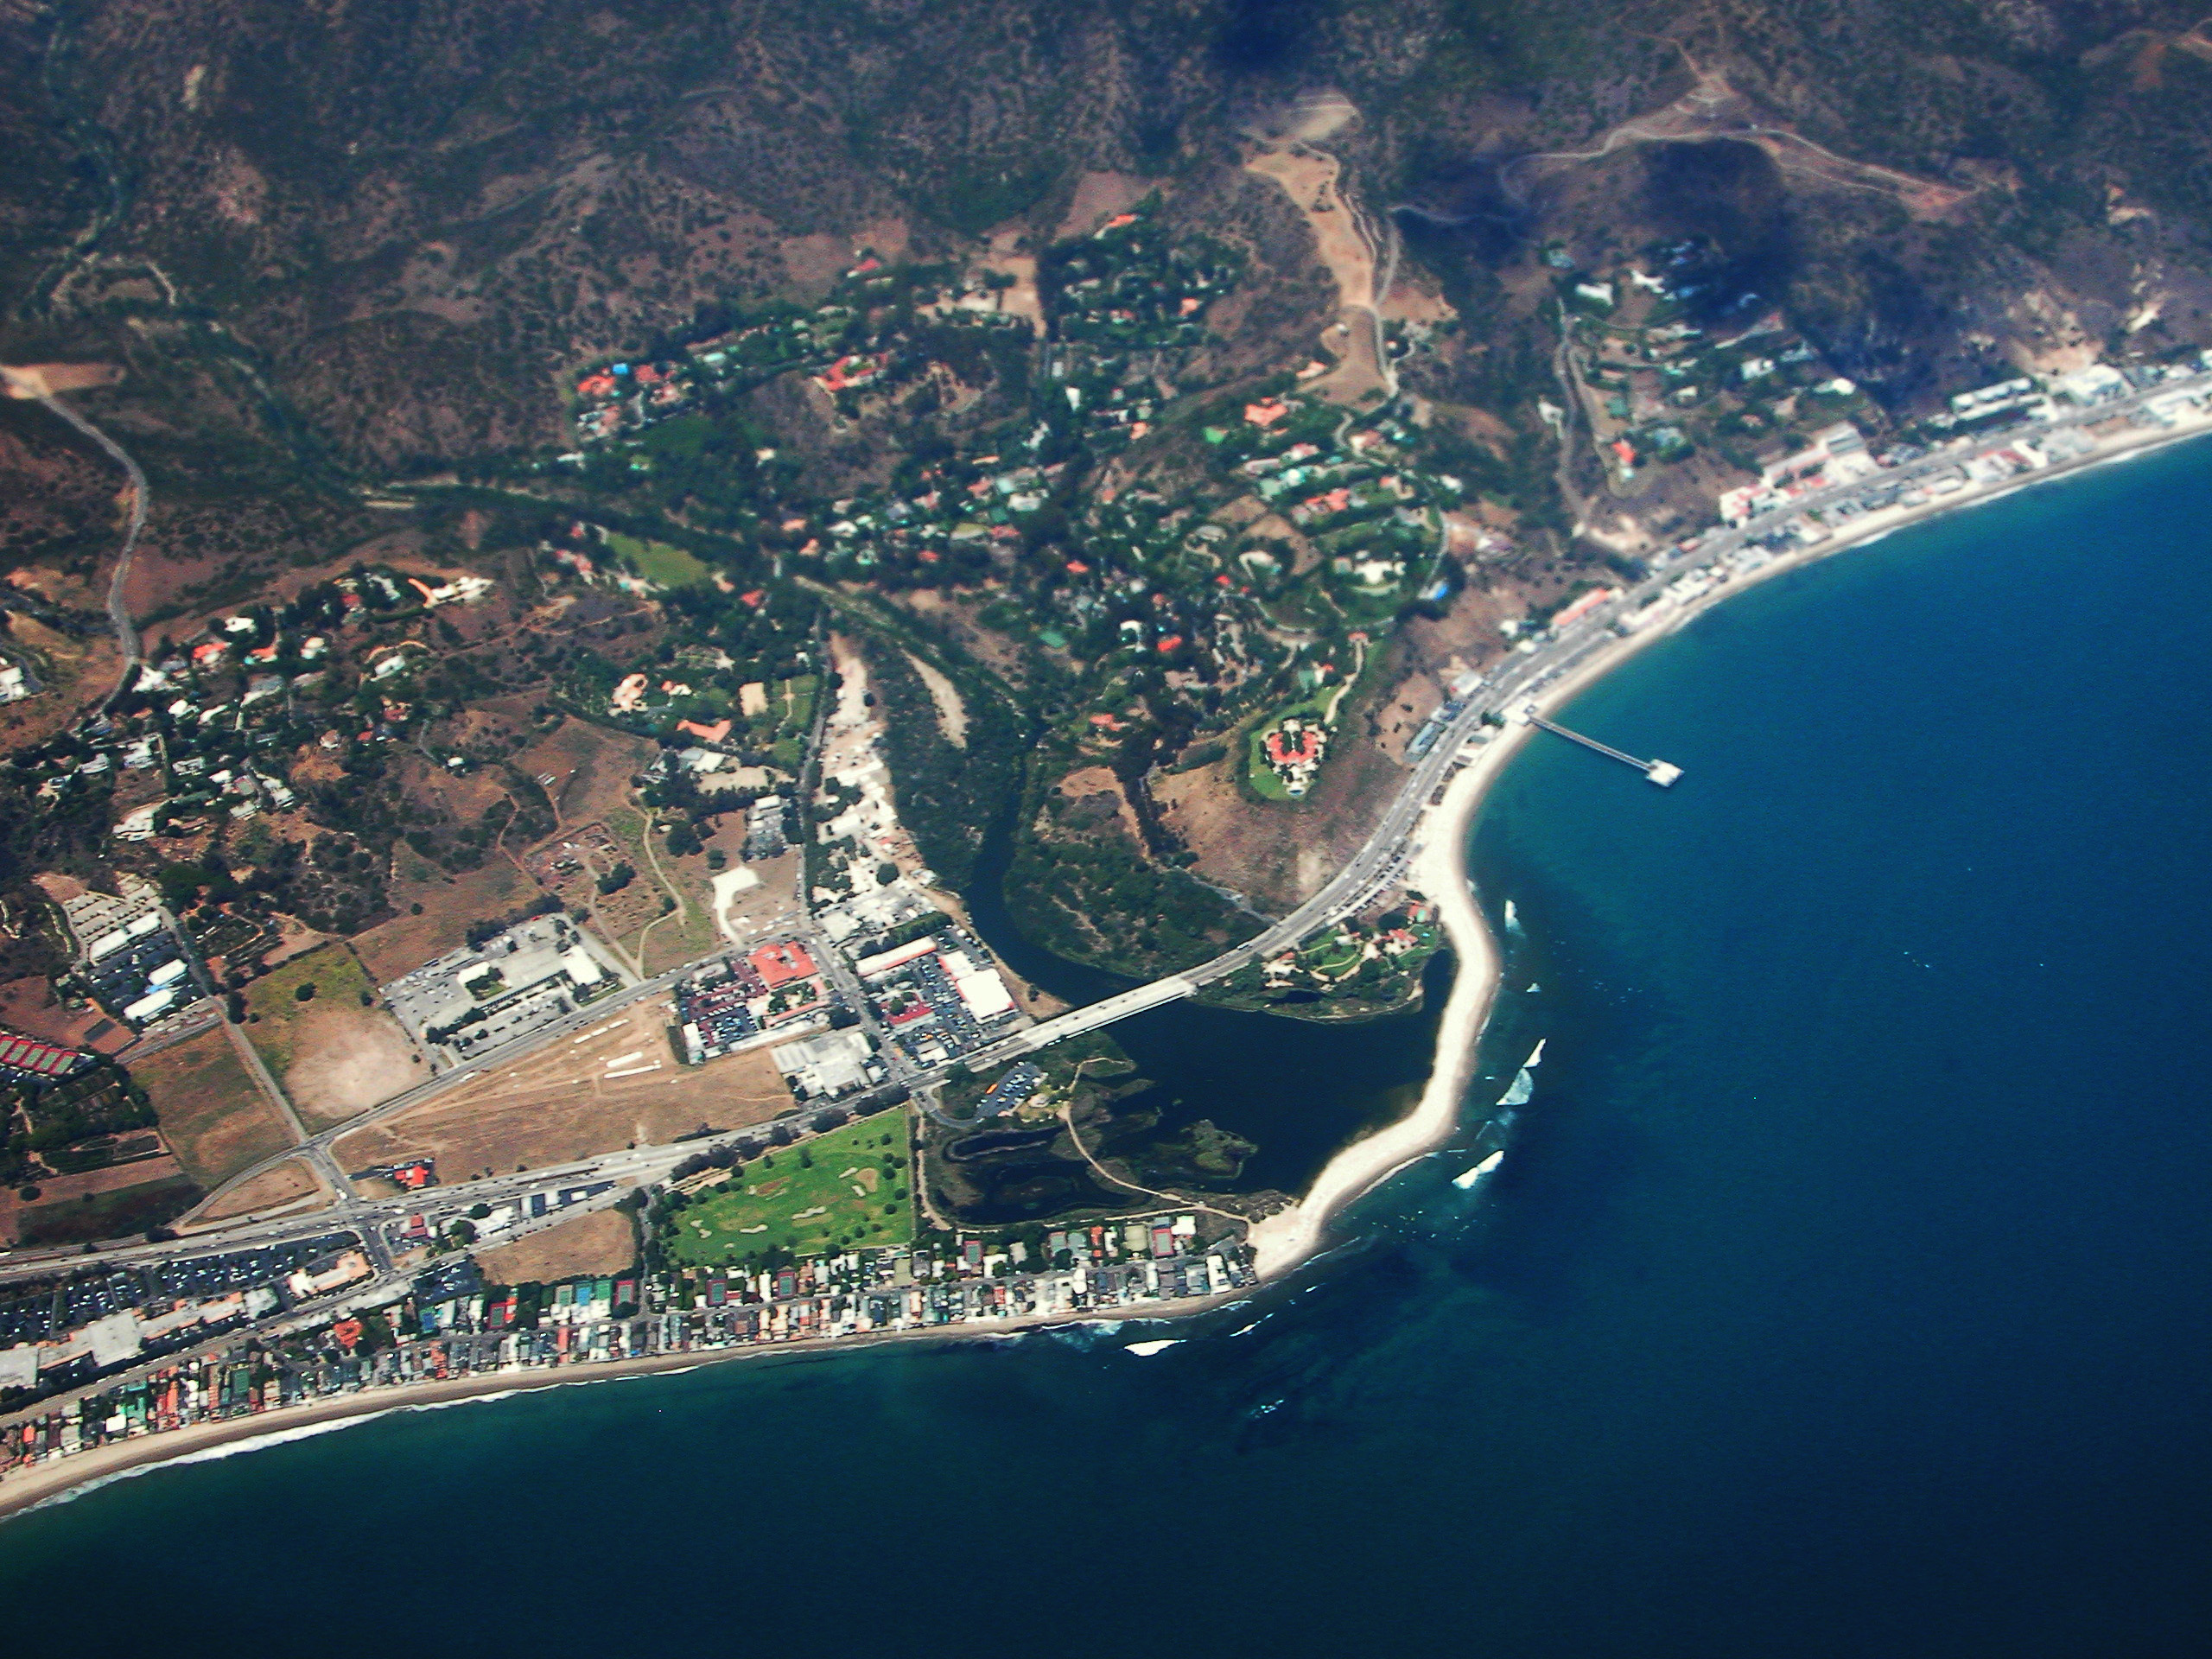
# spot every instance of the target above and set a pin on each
(281, 1188)
(335, 1056)
(614, 1084)
(211, 1116)
(1277, 853)
(601, 1242)
(1098, 197)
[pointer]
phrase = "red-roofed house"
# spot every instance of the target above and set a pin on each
(714, 734)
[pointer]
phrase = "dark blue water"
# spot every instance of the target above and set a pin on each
(1845, 1292)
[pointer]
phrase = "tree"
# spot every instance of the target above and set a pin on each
(885, 874)
(304, 991)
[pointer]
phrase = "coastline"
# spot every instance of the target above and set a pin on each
(1286, 1238)
(1280, 1241)
(58, 1479)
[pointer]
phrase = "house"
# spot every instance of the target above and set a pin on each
(714, 734)
(630, 695)
(782, 963)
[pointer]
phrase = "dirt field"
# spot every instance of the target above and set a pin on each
(1277, 854)
(591, 768)
(613, 1084)
(30, 1007)
(601, 1242)
(335, 1056)
(212, 1116)
(277, 1189)
(32, 379)
(1098, 197)
(952, 712)
(75, 671)
(1313, 179)
(450, 904)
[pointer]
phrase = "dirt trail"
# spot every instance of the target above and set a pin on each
(1067, 1117)
(1712, 112)
(1360, 258)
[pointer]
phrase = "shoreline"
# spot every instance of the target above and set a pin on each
(1281, 1242)
(1288, 1237)
(59, 1479)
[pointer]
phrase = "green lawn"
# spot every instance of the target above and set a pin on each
(671, 567)
(1331, 955)
(1257, 771)
(852, 1188)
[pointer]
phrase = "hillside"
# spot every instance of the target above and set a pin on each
(1200, 387)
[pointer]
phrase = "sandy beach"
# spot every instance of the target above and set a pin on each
(1440, 869)
(31, 1485)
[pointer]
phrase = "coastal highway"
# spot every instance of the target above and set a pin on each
(1389, 849)
(1379, 863)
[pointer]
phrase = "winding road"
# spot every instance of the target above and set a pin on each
(119, 612)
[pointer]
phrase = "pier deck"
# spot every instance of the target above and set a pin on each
(1657, 772)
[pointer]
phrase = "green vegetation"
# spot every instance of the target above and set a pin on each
(1091, 1069)
(948, 793)
(107, 1215)
(660, 563)
(851, 1189)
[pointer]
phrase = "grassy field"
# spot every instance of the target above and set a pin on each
(212, 1116)
(337, 978)
(657, 561)
(106, 1214)
(851, 1188)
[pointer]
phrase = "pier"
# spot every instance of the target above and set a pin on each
(1658, 772)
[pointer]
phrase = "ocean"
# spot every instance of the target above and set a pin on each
(1844, 1290)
